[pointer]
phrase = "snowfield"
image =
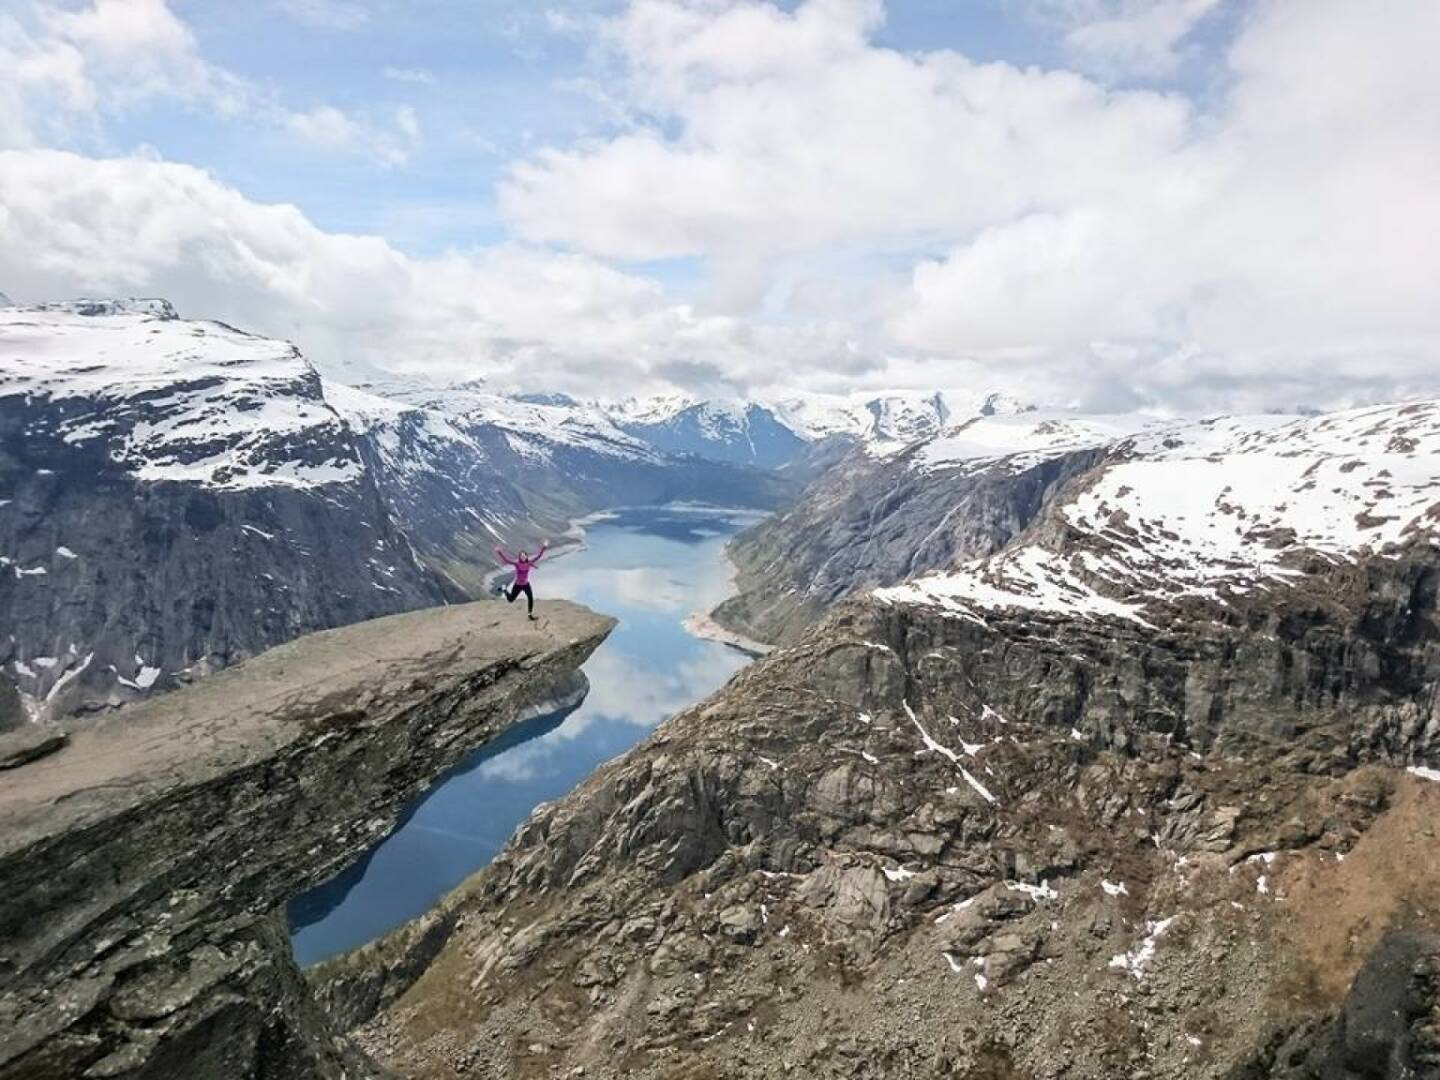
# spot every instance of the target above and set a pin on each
(176, 400)
(197, 402)
(884, 422)
(534, 429)
(1019, 441)
(1201, 508)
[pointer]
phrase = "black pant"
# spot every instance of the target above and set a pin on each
(516, 590)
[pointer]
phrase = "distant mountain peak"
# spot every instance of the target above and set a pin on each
(151, 307)
(561, 400)
(1002, 404)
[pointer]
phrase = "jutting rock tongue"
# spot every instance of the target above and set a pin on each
(148, 863)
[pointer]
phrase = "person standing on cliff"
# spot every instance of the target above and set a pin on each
(522, 564)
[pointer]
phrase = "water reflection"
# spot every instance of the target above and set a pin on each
(651, 568)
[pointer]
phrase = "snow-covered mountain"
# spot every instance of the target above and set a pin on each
(739, 432)
(175, 400)
(1068, 512)
(1211, 509)
(465, 469)
(773, 431)
(535, 425)
(176, 495)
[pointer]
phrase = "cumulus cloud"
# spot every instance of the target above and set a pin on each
(62, 66)
(1279, 245)
(1117, 38)
(1287, 249)
(862, 216)
(795, 132)
(68, 67)
(522, 317)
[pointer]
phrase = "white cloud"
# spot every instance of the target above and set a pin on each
(67, 67)
(862, 216)
(796, 133)
(133, 226)
(63, 66)
(1290, 249)
(1126, 37)
(1280, 246)
(329, 128)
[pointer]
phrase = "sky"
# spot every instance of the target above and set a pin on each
(1176, 205)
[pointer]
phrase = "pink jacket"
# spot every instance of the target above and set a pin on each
(522, 566)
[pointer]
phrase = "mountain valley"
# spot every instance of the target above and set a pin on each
(1089, 746)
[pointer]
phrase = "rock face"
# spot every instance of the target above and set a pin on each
(914, 845)
(26, 743)
(1388, 1028)
(147, 864)
(1135, 796)
(176, 496)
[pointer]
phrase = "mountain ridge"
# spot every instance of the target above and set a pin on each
(969, 491)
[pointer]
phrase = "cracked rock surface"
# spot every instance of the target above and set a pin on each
(146, 864)
(1026, 847)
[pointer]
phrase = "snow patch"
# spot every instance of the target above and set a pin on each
(1137, 959)
(1043, 891)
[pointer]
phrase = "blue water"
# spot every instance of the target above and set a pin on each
(650, 568)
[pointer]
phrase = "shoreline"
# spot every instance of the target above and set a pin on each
(704, 625)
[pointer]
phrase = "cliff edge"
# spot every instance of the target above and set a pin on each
(147, 862)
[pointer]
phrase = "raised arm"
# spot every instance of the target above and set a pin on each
(504, 558)
(541, 553)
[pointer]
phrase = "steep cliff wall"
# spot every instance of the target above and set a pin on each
(147, 863)
(1025, 845)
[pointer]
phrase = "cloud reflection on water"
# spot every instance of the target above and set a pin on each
(651, 569)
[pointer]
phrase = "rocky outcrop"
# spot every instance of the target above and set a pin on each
(1026, 846)
(29, 742)
(1388, 1028)
(147, 864)
(176, 496)
(12, 708)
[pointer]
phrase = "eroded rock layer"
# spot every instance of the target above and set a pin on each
(922, 843)
(147, 863)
